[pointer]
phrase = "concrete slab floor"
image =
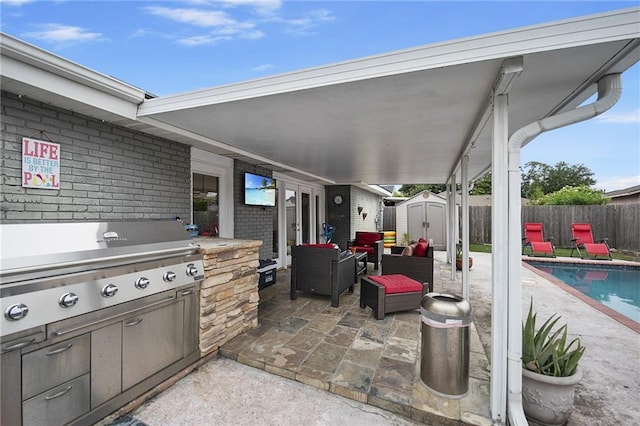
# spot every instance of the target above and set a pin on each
(224, 392)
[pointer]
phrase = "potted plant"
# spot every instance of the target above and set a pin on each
(549, 370)
(459, 257)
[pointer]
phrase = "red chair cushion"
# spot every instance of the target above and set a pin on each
(364, 249)
(596, 248)
(396, 283)
(367, 238)
(326, 245)
(538, 247)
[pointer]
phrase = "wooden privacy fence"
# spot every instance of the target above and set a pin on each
(619, 223)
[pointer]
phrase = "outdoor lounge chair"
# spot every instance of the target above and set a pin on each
(536, 243)
(583, 239)
(321, 269)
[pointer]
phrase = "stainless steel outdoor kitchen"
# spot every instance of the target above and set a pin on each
(93, 315)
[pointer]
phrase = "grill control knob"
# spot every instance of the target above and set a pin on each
(169, 276)
(192, 271)
(109, 290)
(16, 312)
(68, 300)
(142, 283)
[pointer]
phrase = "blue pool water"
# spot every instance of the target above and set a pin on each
(617, 287)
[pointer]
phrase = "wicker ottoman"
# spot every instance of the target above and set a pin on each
(391, 293)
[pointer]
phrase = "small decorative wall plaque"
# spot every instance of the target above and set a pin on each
(40, 164)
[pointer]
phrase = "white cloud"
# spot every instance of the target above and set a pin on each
(616, 183)
(622, 118)
(222, 26)
(16, 3)
(63, 34)
(263, 67)
(197, 17)
(308, 21)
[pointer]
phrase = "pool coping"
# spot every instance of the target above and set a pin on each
(628, 322)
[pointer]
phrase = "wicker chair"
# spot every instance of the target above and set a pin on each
(371, 243)
(417, 267)
(320, 270)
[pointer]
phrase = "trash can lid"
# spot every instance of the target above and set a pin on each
(445, 310)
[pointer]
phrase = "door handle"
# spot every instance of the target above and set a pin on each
(132, 322)
(57, 351)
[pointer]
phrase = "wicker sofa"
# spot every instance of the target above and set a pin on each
(420, 268)
(321, 269)
(371, 243)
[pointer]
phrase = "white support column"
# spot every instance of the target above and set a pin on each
(452, 226)
(514, 332)
(499, 260)
(464, 191)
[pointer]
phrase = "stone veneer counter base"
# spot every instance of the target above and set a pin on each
(229, 293)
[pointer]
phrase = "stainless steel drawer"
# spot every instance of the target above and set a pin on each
(55, 364)
(59, 405)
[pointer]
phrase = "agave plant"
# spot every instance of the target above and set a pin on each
(545, 351)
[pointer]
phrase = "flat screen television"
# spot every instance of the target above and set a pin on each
(259, 190)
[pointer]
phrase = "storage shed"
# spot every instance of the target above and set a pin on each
(423, 216)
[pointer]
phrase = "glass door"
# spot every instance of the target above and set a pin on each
(291, 218)
(298, 211)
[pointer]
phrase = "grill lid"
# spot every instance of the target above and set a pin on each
(35, 249)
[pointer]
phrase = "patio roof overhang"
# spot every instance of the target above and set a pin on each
(405, 116)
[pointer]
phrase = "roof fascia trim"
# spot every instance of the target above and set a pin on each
(33, 56)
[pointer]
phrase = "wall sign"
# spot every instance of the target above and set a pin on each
(40, 164)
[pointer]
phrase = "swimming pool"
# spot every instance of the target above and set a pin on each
(617, 287)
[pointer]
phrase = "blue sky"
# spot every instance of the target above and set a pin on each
(168, 47)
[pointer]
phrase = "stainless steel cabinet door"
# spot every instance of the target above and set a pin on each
(150, 342)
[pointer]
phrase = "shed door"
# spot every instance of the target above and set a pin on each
(416, 220)
(436, 225)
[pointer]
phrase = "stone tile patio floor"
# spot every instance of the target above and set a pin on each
(346, 351)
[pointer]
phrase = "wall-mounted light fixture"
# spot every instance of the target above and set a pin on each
(359, 210)
(364, 216)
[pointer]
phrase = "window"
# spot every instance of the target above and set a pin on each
(206, 208)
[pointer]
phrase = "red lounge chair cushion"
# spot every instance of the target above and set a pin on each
(396, 283)
(541, 247)
(597, 248)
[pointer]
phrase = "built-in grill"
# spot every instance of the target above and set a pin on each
(93, 315)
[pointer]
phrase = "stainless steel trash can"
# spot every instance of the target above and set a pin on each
(444, 357)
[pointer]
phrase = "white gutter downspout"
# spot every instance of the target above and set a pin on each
(609, 91)
(452, 241)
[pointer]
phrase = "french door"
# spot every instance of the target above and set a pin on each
(298, 220)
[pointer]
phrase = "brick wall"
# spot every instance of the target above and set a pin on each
(252, 222)
(106, 172)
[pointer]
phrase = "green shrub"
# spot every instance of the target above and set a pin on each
(572, 196)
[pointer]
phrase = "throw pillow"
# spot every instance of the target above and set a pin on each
(421, 249)
(408, 250)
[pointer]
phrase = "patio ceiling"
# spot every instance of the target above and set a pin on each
(402, 117)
